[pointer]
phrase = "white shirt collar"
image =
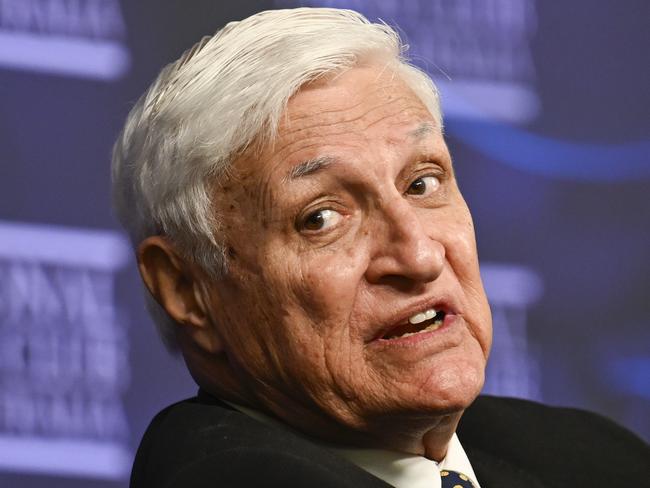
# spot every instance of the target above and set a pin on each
(395, 468)
(407, 470)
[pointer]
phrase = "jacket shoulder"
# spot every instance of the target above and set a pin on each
(561, 446)
(196, 444)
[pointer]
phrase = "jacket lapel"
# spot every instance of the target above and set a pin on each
(493, 472)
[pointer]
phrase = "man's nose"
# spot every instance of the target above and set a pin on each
(403, 247)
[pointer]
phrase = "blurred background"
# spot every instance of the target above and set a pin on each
(547, 111)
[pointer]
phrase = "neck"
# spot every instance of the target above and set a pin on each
(436, 441)
(422, 434)
(428, 436)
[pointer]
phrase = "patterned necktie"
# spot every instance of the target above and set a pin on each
(454, 479)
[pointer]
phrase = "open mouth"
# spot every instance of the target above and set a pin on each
(426, 321)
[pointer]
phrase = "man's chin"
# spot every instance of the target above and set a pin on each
(451, 383)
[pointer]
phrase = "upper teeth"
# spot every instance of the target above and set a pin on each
(422, 316)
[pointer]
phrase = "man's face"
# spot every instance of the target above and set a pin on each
(347, 226)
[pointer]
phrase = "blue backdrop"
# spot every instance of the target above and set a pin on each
(547, 116)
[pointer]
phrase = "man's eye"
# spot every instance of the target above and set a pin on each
(424, 185)
(321, 219)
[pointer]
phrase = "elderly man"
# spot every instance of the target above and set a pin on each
(306, 248)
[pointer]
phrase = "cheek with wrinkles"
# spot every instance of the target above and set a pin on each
(461, 242)
(325, 282)
(464, 262)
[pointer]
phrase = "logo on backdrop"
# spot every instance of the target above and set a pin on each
(63, 352)
(485, 72)
(80, 38)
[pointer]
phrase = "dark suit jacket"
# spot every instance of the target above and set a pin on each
(201, 443)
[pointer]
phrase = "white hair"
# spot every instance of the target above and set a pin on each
(224, 94)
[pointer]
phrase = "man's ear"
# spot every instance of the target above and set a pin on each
(177, 287)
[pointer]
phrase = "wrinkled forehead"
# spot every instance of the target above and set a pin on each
(366, 106)
(369, 94)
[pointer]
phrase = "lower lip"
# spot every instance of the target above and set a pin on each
(415, 339)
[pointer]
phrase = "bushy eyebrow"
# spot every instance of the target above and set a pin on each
(311, 166)
(422, 131)
(314, 165)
